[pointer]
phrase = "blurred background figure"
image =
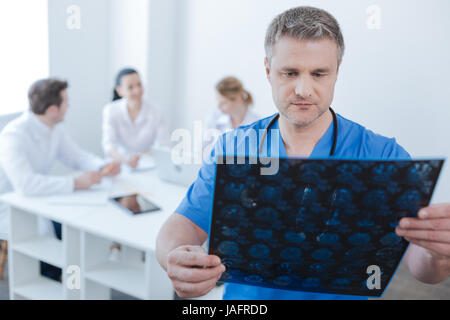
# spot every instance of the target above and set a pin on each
(33, 143)
(234, 103)
(234, 110)
(131, 125)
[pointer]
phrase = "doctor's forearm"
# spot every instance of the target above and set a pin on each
(176, 232)
(426, 267)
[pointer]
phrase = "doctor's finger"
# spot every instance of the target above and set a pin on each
(425, 224)
(441, 210)
(115, 171)
(197, 249)
(196, 259)
(426, 235)
(440, 249)
(195, 275)
(96, 177)
(186, 290)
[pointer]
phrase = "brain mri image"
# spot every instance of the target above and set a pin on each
(317, 225)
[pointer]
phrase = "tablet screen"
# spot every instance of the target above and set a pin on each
(135, 204)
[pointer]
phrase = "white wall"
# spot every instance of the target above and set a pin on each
(81, 57)
(128, 37)
(21, 32)
(167, 36)
(30, 34)
(114, 34)
(393, 80)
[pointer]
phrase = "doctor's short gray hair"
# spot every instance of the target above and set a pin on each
(304, 23)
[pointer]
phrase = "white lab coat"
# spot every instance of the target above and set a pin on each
(119, 132)
(222, 122)
(28, 151)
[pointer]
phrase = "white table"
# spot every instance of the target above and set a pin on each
(88, 232)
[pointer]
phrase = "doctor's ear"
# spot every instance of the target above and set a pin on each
(267, 66)
(52, 110)
(339, 66)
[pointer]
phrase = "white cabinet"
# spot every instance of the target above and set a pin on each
(88, 232)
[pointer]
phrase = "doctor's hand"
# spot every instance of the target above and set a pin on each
(133, 161)
(87, 180)
(110, 170)
(193, 272)
(430, 231)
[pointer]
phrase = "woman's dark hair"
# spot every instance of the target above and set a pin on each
(120, 75)
(45, 93)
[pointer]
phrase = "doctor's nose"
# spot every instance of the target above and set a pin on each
(304, 88)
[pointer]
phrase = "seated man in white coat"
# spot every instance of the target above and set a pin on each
(31, 144)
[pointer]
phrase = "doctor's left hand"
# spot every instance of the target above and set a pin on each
(111, 170)
(431, 230)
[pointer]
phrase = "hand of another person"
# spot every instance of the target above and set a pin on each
(147, 154)
(133, 161)
(193, 272)
(87, 180)
(111, 170)
(431, 230)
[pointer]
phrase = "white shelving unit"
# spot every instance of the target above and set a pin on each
(119, 276)
(42, 248)
(27, 248)
(87, 235)
(136, 273)
(40, 289)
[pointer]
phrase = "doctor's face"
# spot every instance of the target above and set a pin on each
(230, 105)
(303, 75)
(131, 88)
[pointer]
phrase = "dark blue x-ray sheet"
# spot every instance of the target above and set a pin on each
(316, 225)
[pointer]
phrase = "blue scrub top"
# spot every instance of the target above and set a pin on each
(353, 142)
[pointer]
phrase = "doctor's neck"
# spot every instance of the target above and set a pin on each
(48, 121)
(238, 115)
(301, 140)
(134, 105)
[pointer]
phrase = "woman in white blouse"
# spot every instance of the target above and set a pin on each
(234, 109)
(131, 125)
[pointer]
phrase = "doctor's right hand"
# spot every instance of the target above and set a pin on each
(193, 272)
(87, 180)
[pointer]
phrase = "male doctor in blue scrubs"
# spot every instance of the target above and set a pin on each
(304, 49)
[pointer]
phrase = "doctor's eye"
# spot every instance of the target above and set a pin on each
(318, 75)
(289, 74)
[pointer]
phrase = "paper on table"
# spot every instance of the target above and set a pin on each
(105, 185)
(81, 199)
(145, 163)
(97, 195)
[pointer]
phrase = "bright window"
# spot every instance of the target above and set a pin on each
(24, 50)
